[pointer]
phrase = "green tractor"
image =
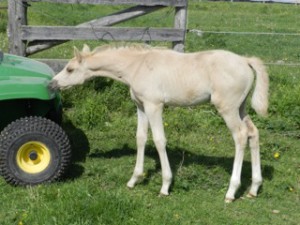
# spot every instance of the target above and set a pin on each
(34, 149)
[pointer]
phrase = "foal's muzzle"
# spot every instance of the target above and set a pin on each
(53, 85)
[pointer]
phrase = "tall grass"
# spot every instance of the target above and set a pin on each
(101, 122)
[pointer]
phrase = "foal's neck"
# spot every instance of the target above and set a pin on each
(118, 64)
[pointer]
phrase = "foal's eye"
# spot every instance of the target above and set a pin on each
(70, 70)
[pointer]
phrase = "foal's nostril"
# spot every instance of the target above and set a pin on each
(53, 85)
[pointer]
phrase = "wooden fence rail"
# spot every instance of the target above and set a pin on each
(27, 40)
(177, 3)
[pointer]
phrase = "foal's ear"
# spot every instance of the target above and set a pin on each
(86, 49)
(77, 55)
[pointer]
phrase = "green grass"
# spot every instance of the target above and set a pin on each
(101, 122)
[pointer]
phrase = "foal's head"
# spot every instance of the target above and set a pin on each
(75, 72)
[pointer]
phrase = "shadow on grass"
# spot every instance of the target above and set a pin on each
(190, 158)
(80, 149)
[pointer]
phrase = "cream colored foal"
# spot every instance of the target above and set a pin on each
(160, 76)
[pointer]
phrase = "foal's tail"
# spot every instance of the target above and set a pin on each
(260, 95)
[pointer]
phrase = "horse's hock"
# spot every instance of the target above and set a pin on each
(26, 40)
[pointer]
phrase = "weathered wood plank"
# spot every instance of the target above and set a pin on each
(109, 20)
(118, 2)
(101, 33)
(121, 16)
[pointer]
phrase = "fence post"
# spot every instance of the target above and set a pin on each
(17, 16)
(180, 23)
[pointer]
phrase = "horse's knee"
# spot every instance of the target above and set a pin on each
(141, 140)
(160, 142)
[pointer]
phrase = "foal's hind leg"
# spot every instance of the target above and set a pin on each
(239, 132)
(141, 139)
(253, 136)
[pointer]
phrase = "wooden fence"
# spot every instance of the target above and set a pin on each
(26, 40)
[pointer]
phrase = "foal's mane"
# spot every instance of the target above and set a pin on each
(130, 46)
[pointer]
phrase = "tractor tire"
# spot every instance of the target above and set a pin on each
(33, 150)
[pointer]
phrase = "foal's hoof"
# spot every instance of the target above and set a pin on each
(249, 195)
(163, 194)
(130, 186)
(229, 200)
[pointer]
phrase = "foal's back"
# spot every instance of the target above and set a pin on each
(192, 78)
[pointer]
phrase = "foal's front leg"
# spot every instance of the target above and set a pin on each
(154, 114)
(141, 139)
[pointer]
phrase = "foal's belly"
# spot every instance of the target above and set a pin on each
(187, 99)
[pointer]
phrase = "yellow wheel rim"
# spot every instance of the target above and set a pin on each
(33, 157)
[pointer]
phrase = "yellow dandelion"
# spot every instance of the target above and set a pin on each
(276, 155)
(166, 124)
(291, 189)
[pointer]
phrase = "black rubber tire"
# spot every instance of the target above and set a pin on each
(39, 130)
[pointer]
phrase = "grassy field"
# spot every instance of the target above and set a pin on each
(101, 121)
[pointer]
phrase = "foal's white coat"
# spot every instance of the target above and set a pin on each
(159, 76)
